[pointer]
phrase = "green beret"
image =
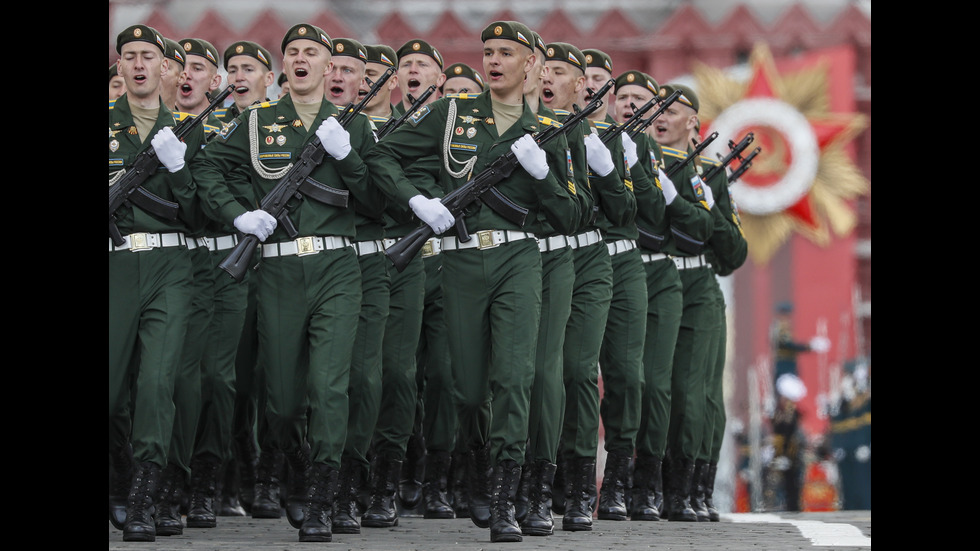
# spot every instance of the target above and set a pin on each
(563, 51)
(687, 97)
(203, 48)
(349, 48)
(251, 49)
(639, 79)
(509, 30)
(419, 47)
(381, 53)
(539, 44)
(597, 58)
(139, 33)
(464, 70)
(309, 32)
(174, 51)
(113, 71)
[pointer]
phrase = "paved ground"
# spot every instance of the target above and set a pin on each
(844, 530)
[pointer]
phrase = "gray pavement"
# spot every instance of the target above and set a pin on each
(833, 531)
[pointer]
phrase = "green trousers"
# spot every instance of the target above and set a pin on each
(664, 305)
(492, 300)
(714, 419)
(149, 310)
(591, 295)
(548, 389)
(308, 309)
(399, 390)
(435, 373)
(621, 355)
(364, 388)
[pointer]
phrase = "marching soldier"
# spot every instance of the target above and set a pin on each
(117, 84)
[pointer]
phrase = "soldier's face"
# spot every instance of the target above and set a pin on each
(456, 85)
(117, 87)
(306, 64)
(630, 95)
(416, 72)
(344, 80)
(142, 65)
(199, 77)
(505, 63)
(595, 78)
(251, 79)
(374, 71)
(535, 77)
(673, 127)
(562, 85)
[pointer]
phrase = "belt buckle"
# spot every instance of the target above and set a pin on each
(304, 246)
(485, 239)
(139, 242)
(427, 249)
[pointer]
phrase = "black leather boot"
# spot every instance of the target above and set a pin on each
(120, 477)
(267, 503)
(665, 471)
(697, 491)
(646, 475)
(316, 525)
(434, 488)
(458, 483)
(345, 515)
(383, 512)
(503, 525)
(140, 525)
(578, 498)
(300, 468)
(229, 490)
(520, 503)
(481, 473)
(539, 521)
(612, 499)
(709, 490)
(245, 460)
(559, 488)
(169, 521)
(413, 473)
(681, 476)
(204, 477)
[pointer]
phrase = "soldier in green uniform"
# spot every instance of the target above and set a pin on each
(492, 281)
(172, 78)
(309, 292)
(613, 204)
(687, 404)
(419, 65)
(380, 58)
(117, 84)
(150, 272)
(461, 79)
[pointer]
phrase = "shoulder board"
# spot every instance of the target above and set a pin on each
(221, 112)
(263, 105)
(112, 103)
(180, 115)
(465, 95)
(548, 121)
(602, 125)
(210, 128)
(562, 112)
(709, 160)
(673, 152)
(376, 119)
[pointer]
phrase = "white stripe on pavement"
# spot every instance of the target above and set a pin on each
(819, 533)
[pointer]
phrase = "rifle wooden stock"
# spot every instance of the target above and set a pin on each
(297, 184)
(405, 249)
(129, 188)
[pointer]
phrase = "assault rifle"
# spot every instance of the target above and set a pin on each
(735, 153)
(744, 165)
(128, 189)
(298, 184)
(636, 120)
(391, 124)
(402, 252)
(698, 148)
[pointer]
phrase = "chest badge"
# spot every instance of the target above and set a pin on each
(470, 132)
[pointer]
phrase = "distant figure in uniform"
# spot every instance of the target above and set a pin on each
(785, 348)
(788, 441)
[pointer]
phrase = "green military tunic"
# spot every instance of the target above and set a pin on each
(149, 288)
(307, 304)
(492, 295)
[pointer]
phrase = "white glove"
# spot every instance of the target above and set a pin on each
(709, 197)
(820, 344)
(531, 157)
(598, 155)
(259, 223)
(629, 146)
(169, 149)
(334, 139)
(666, 184)
(432, 212)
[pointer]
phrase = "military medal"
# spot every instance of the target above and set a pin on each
(470, 132)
